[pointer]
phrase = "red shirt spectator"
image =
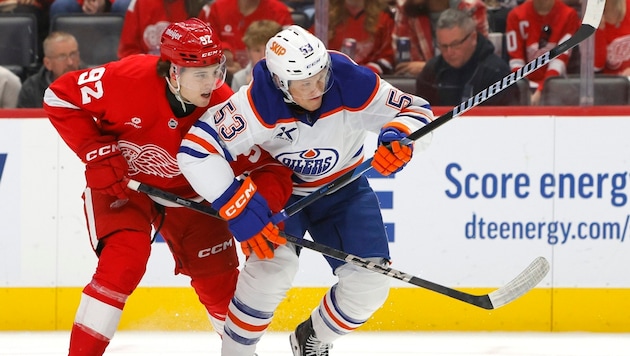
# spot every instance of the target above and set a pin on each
(612, 39)
(535, 27)
(369, 25)
(414, 20)
(145, 21)
(230, 20)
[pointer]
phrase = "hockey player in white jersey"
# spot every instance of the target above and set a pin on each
(311, 109)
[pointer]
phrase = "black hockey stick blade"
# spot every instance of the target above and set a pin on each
(590, 22)
(520, 285)
(516, 288)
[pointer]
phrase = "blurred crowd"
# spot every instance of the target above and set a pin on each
(443, 50)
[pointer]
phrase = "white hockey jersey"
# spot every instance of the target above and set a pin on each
(318, 146)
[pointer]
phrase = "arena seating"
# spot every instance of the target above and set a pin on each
(98, 35)
(18, 39)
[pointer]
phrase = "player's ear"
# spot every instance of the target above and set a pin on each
(277, 82)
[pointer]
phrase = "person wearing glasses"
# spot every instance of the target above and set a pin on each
(466, 65)
(416, 19)
(535, 27)
(61, 55)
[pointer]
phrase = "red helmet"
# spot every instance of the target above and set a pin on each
(191, 43)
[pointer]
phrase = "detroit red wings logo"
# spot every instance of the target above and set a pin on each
(618, 52)
(149, 159)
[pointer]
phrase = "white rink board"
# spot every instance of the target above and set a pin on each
(43, 240)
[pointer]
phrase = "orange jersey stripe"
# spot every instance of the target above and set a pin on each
(337, 321)
(245, 326)
(201, 142)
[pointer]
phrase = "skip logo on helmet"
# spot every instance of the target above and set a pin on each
(277, 49)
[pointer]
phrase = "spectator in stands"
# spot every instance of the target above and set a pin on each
(232, 17)
(368, 27)
(467, 64)
(612, 39)
(416, 19)
(145, 21)
(61, 55)
(535, 27)
(90, 7)
(256, 37)
(497, 13)
(10, 85)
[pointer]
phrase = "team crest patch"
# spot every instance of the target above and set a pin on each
(311, 162)
(172, 123)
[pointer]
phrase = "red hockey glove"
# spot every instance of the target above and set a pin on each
(249, 218)
(105, 167)
(388, 160)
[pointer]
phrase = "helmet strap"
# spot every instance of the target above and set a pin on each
(176, 90)
(285, 91)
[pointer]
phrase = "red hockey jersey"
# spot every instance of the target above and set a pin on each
(374, 51)
(528, 35)
(612, 46)
(126, 99)
(225, 17)
(145, 21)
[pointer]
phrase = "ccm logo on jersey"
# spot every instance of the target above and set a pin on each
(215, 249)
(277, 49)
(238, 202)
(101, 152)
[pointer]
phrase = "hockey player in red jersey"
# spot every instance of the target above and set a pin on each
(535, 27)
(126, 119)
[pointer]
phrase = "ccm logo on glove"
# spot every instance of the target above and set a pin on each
(238, 202)
(100, 152)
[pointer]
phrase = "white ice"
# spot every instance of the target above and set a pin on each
(358, 343)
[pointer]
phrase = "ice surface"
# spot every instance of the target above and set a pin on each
(358, 343)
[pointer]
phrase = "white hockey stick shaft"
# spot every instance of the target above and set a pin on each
(525, 281)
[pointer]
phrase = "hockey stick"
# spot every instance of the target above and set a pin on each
(520, 285)
(590, 22)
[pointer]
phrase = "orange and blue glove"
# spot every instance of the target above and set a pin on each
(391, 156)
(249, 218)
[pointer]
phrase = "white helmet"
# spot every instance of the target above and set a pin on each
(295, 54)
